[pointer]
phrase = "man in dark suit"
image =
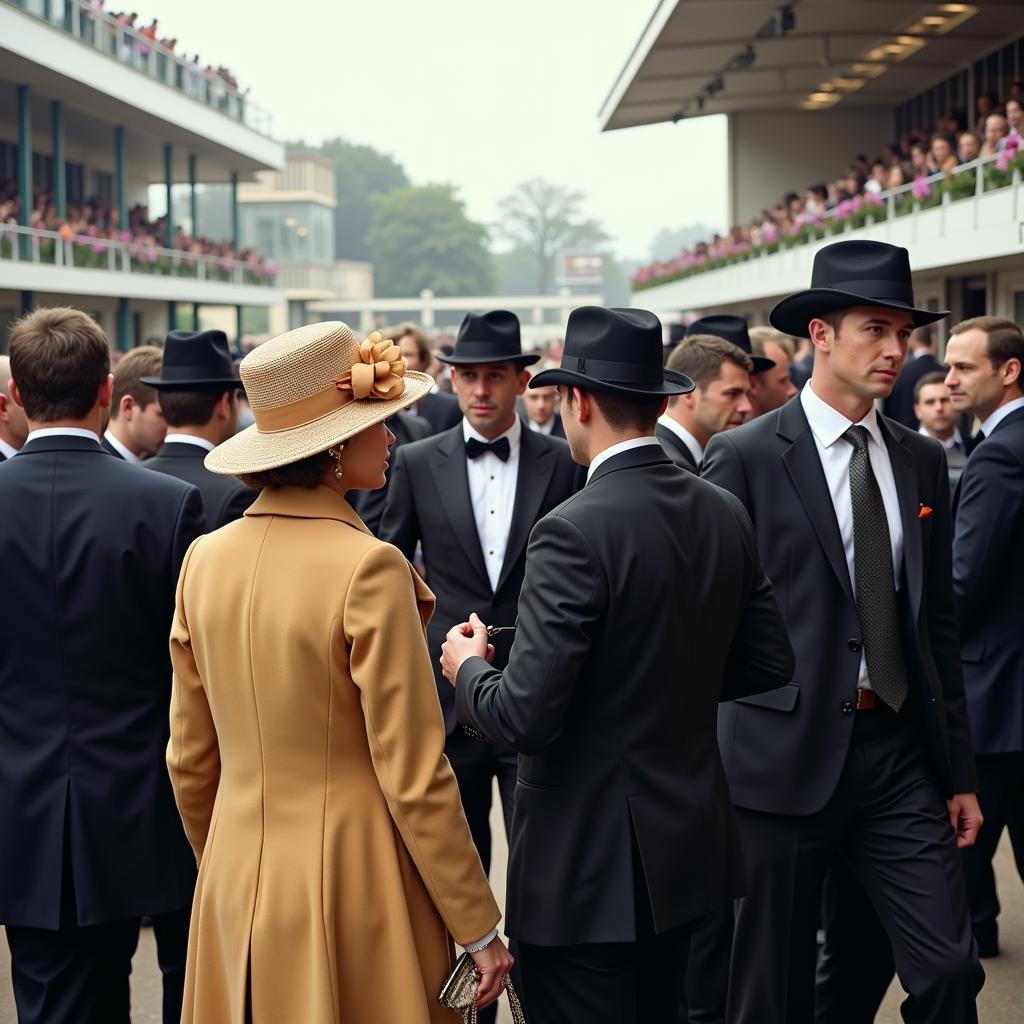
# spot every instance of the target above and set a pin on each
(137, 426)
(933, 407)
(440, 409)
(540, 411)
(899, 406)
(370, 504)
(720, 401)
(630, 631)
(867, 754)
(471, 496)
(13, 425)
(985, 356)
(197, 388)
(90, 839)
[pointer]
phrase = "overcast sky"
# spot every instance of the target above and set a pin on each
(476, 92)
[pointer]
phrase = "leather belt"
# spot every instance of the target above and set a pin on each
(866, 699)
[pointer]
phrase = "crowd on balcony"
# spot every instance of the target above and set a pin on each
(93, 223)
(997, 130)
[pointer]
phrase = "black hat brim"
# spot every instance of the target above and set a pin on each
(761, 363)
(673, 384)
(455, 360)
(794, 313)
(201, 384)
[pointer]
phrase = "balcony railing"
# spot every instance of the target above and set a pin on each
(80, 19)
(54, 249)
(966, 181)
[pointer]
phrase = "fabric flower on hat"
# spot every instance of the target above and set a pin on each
(377, 373)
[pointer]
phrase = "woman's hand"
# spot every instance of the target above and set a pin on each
(493, 962)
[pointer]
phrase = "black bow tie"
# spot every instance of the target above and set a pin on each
(501, 448)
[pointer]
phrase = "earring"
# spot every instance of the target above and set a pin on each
(335, 453)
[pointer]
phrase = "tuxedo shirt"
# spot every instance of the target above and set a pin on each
(126, 453)
(693, 446)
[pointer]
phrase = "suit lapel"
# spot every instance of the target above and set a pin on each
(803, 464)
(452, 481)
(668, 437)
(536, 464)
(905, 474)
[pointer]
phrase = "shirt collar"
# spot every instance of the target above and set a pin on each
(954, 439)
(126, 453)
(8, 451)
(693, 445)
(62, 432)
(200, 442)
(829, 425)
(618, 449)
(545, 428)
(1000, 414)
(514, 433)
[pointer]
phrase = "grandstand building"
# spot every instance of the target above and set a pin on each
(808, 85)
(92, 114)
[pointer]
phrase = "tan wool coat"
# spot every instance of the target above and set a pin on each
(306, 755)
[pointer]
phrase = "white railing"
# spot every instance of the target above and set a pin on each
(57, 249)
(95, 28)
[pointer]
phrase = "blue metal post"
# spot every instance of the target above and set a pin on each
(120, 192)
(123, 325)
(25, 163)
(169, 179)
(60, 198)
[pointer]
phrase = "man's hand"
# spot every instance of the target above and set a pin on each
(965, 817)
(466, 640)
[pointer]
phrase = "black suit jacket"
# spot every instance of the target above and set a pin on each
(108, 447)
(441, 410)
(899, 405)
(988, 577)
(630, 632)
(784, 751)
(225, 498)
(93, 548)
(369, 505)
(675, 449)
(428, 502)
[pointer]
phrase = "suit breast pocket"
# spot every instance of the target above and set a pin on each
(783, 699)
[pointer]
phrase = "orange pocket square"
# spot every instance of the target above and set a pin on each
(925, 511)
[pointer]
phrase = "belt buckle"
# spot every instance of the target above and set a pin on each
(865, 699)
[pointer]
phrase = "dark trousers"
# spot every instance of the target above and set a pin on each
(477, 764)
(889, 821)
(171, 933)
(707, 969)
(1001, 795)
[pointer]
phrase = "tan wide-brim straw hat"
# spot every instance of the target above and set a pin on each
(313, 388)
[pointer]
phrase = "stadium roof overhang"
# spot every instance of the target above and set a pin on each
(699, 57)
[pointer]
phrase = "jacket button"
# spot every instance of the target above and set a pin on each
(846, 707)
(854, 645)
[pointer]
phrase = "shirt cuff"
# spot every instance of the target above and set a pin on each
(475, 947)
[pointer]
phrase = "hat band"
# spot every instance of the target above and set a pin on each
(875, 289)
(305, 410)
(488, 349)
(612, 371)
(187, 373)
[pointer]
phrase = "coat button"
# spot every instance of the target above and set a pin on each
(846, 707)
(854, 645)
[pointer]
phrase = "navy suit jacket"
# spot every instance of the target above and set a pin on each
(91, 548)
(988, 579)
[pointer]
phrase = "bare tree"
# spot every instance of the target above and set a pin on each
(543, 218)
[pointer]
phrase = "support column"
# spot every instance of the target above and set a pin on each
(25, 165)
(195, 316)
(192, 203)
(169, 179)
(238, 328)
(235, 226)
(28, 300)
(172, 315)
(120, 192)
(60, 179)
(124, 341)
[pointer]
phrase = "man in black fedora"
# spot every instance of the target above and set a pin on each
(730, 328)
(866, 756)
(630, 631)
(470, 496)
(198, 390)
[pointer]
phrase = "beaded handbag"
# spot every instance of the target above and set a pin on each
(459, 992)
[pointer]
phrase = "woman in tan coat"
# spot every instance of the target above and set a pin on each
(335, 861)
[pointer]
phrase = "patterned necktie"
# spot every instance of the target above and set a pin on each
(501, 448)
(874, 582)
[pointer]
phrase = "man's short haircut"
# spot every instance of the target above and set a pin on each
(411, 330)
(59, 358)
(144, 361)
(307, 472)
(624, 412)
(764, 333)
(190, 408)
(1005, 340)
(701, 357)
(936, 377)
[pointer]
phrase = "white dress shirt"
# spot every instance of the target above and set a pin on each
(90, 435)
(492, 490)
(8, 451)
(189, 439)
(1000, 414)
(685, 436)
(542, 428)
(828, 426)
(126, 453)
(618, 449)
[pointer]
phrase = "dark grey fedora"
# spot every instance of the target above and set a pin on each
(491, 337)
(195, 361)
(730, 328)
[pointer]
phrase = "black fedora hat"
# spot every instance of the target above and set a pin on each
(730, 328)
(616, 350)
(195, 361)
(491, 337)
(848, 274)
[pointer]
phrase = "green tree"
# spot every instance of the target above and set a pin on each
(545, 218)
(420, 237)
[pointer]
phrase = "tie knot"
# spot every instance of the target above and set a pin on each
(858, 437)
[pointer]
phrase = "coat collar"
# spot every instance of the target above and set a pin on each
(318, 502)
(646, 455)
(62, 443)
